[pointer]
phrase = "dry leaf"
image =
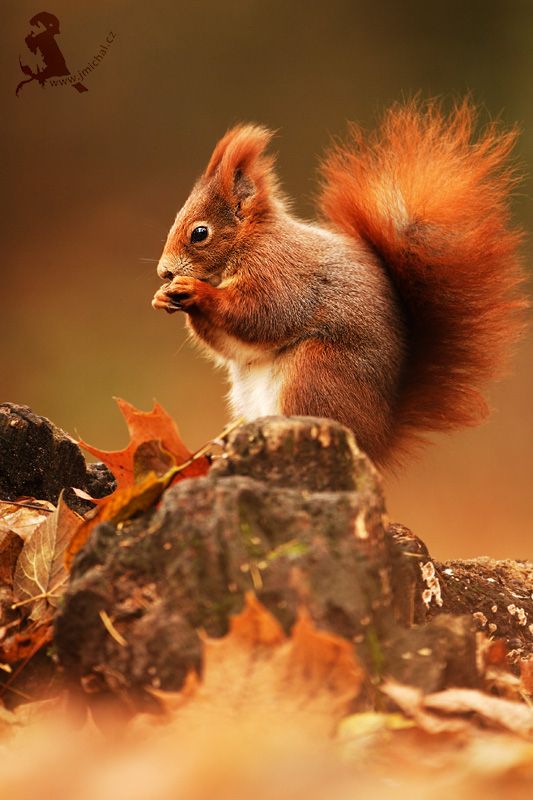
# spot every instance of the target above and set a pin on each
(25, 643)
(10, 546)
(511, 716)
(40, 574)
(151, 457)
(23, 520)
(526, 675)
(308, 679)
(118, 507)
(502, 683)
(146, 426)
(411, 701)
(369, 725)
(453, 704)
(495, 653)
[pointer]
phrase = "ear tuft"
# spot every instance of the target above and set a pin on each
(241, 166)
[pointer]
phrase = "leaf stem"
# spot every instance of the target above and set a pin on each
(43, 596)
(206, 447)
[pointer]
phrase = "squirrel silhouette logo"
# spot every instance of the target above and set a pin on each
(42, 40)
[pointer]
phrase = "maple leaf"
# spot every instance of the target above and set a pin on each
(40, 573)
(146, 426)
(255, 670)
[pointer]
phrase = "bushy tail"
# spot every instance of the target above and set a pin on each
(433, 203)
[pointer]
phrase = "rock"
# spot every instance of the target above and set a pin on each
(497, 594)
(434, 656)
(99, 480)
(294, 512)
(186, 566)
(312, 454)
(38, 459)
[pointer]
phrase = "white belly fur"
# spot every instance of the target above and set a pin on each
(255, 375)
(255, 389)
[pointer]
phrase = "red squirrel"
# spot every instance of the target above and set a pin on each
(391, 314)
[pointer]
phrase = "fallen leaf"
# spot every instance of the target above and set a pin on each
(40, 574)
(445, 711)
(146, 426)
(24, 515)
(503, 683)
(511, 716)
(23, 644)
(526, 675)
(83, 495)
(411, 701)
(309, 678)
(254, 626)
(10, 546)
(136, 498)
(151, 457)
(118, 507)
(370, 724)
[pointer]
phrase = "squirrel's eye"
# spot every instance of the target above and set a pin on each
(199, 234)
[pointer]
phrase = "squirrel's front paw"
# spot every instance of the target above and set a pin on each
(184, 291)
(178, 295)
(163, 301)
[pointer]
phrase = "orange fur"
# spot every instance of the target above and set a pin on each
(433, 203)
(241, 151)
(392, 318)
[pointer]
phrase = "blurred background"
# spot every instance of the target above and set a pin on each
(91, 183)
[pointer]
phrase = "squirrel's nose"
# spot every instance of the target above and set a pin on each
(163, 271)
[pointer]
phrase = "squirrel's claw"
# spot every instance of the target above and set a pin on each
(163, 301)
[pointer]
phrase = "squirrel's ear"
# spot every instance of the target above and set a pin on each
(245, 174)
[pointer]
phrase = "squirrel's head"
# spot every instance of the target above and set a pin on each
(228, 206)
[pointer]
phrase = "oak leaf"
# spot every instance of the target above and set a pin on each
(151, 457)
(40, 574)
(146, 426)
(118, 507)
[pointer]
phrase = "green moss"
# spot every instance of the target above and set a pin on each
(214, 615)
(291, 550)
(251, 541)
